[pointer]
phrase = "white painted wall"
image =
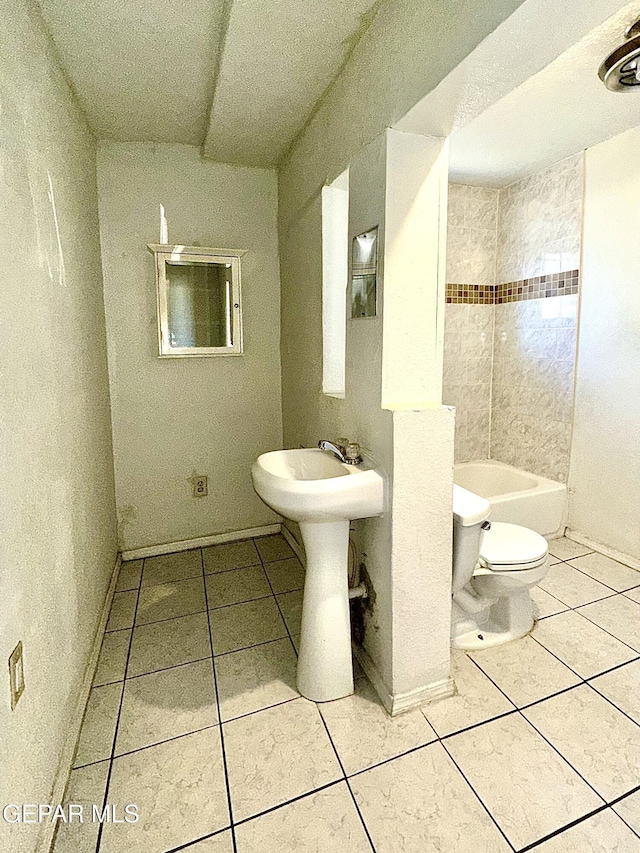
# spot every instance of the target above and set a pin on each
(392, 390)
(604, 476)
(57, 527)
(173, 418)
(407, 50)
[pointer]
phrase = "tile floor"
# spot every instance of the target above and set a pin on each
(194, 717)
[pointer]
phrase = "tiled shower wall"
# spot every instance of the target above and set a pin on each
(525, 345)
(468, 336)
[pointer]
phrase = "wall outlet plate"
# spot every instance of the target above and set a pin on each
(16, 675)
(200, 486)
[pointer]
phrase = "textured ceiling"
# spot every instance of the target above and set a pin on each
(563, 109)
(529, 94)
(142, 69)
(239, 77)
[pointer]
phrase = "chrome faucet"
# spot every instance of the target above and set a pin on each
(349, 452)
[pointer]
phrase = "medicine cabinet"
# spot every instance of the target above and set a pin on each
(198, 301)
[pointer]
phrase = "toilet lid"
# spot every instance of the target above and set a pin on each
(511, 545)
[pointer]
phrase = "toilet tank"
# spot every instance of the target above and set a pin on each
(470, 511)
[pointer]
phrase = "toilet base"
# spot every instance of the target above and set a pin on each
(510, 618)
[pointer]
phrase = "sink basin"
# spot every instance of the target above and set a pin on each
(311, 486)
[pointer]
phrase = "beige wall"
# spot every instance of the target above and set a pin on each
(173, 418)
(393, 373)
(57, 536)
(604, 479)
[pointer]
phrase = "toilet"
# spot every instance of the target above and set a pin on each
(495, 564)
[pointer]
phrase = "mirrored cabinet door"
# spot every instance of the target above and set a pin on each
(199, 310)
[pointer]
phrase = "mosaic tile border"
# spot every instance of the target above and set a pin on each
(473, 294)
(539, 287)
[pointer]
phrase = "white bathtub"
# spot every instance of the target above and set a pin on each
(516, 496)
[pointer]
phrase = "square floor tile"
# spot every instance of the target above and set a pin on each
(86, 788)
(572, 587)
(164, 644)
(544, 604)
(608, 571)
(600, 742)
(619, 616)
(113, 657)
(291, 605)
(325, 822)
(567, 549)
(528, 789)
(231, 555)
(420, 803)
(285, 575)
(236, 586)
(172, 567)
(602, 833)
(525, 671)
(273, 548)
(256, 678)
(219, 843)
(170, 600)
(580, 644)
(166, 704)
(99, 724)
(364, 734)
(242, 625)
(476, 699)
(129, 575)
(123, 609)
(276, 755)
(180, 791)
(622, 687)
(629, 811)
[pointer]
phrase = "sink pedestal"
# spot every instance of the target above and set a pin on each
(325, 667)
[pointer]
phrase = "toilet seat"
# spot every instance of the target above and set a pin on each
(512, 548)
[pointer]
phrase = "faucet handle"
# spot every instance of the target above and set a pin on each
(352, 453)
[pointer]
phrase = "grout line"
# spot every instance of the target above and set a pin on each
(231, 569)
(167, 740)
(618, 800)
(346, 778)
(611, 702)
(105, 799)
(566, 760)
(477, 796)
(215, 687)
(266, 573)
(287, 803)
(166, 668)
(190, 844)
(562, 829)
(393, 757)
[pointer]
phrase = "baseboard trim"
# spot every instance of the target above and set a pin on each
(400, 703)
(625, 559)
(65, 765)
(201, 542)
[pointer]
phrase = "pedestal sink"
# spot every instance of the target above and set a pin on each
(323, 495)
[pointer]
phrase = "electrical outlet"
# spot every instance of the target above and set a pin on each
(200, 487)
(16, 675)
